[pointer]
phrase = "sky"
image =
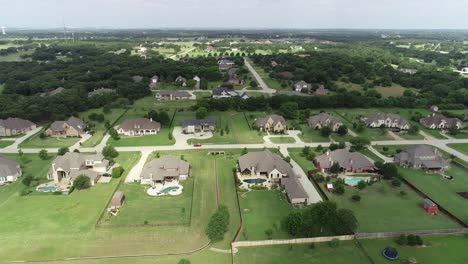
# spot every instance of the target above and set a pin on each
(301, 14)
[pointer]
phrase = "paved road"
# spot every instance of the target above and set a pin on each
(259, 79)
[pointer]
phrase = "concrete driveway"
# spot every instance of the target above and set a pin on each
(181, 138)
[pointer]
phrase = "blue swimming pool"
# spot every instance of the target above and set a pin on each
(355, 180)
(168, 189)
(48, 189)
(255, 181)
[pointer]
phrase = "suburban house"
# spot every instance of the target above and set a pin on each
(197, 82)
(223, 92)
(348, 161)
(198, 125)
(408, 70)
(166, 168)
(324, 119)
(153, 82)
(233, 77)
(14, 126)
(265, 164)
(321, 91)
(300, 85)
(181, 80)
(172, 95)
(53, 92)
(101, 91)
(438, 121)
(138, 127)
(434, 108)
(225, 64)
(274, 123)
(209, 48)
(137, 79)
(244, 96)
(386, 120)
(421, 157)
(73, 127)
(10, 170)
(65, 169)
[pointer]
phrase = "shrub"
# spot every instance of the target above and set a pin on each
(269, 233)
(312, 246)
(43, 154)
(184, 261)
(339, 189)
(218, 224)
(402, 240)
(419, 241)
(25, 192)
(57, 193)
(334, 243)
(117, 172)
(356, 197)
(396, 182)
(258, 187)
(319, 178)
(412, 240)
(81, 182)
(361, 185)
(62, 151)
(109, 152)
(27, 180)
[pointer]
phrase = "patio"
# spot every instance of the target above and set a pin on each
(166, 188)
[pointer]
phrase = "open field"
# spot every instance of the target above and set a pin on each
(258, 214)
(346, 252)
(99, 127)
(48, 142)
(56, 225)
(463, 148)
(436, 249)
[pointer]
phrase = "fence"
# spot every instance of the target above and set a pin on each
(289, 241)
(414, 232)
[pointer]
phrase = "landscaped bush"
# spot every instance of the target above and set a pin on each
(402, 240)
(117, 172)
(81, 182)
(109, 152)
(258, 187)
(184, 261)
(361, 185)
(269, 233)
(62, 151)
(396, 182)
(356, 197)
(25, 192)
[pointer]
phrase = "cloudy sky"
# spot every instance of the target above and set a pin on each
(394, 14)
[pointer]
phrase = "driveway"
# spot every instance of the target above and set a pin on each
(18, 141)
(135, 173)
(181, 138)
(259, 79)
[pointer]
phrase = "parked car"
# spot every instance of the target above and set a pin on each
(197, 145)
(106, 175)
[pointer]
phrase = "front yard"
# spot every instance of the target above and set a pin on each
(36, 141)
(99, 127)
(463, 148)
(6, 143)
(161, 139)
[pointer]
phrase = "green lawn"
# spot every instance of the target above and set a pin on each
(258, 214)
(463, 148)
(48, 142)
(442, 191)
(99, 128)
(272, 83)
(238, 126)
(282, 140)
(436, 249)
(161, 139)
(346, 252)
(56, 226)
(351, 116)
(382, 207)
(310, 135)
(6, 143)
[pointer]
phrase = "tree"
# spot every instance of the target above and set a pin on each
(81, 182)
(335, 168)
(412, 240)
(402, 240)
(419, 241)
(269, 233)
(396, 182)
(201, 112)
(306, 151)
(117, 172)
(339, 189)
(244, 151)
(253, 84)
(109, 152)
(359, 143)
(169, 135)
(114, 134)
(388, 171)
(356, 197)
(43, 154)
(218, 224)
(325, 131)
(289, 110)
(361, 185)
(342, 130)
(453, 131)
(347, 222)
(293, 223)
(413, 130)
(62, 151)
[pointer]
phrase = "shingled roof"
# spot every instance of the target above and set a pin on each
(344, 158)
(8, 167)
(16, 123)
(166, 166)
(323, 119)
(270, 119)
(139, 124)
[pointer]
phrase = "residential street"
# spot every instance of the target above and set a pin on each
(259, 79)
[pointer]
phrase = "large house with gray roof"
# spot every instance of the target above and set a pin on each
(73, 127)
(348, 161)
(14, 126)
(265, 164)
(223, 92)
(171, 95)
(10, 170)
(65, 169)
(272, 123)
(165, 168)
(138, 127)
(302, 85)
(438, 121)
(101, 91)
(386, 120)
(198, 125)
(421, 157)
(323, 120)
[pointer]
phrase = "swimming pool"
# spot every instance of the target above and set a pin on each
(48, 189)
(169, 189)
(353, 181)
(255, 181)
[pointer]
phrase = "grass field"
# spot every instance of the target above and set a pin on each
(436, 249)
(55, 225)
(258, 214)
(442, 191)
(99, 128)
(310, 135)
(346, 252)
(6, 143)
(48, 142)
(282, 140)
(238, 126)
(350, 116)
(463, 148)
